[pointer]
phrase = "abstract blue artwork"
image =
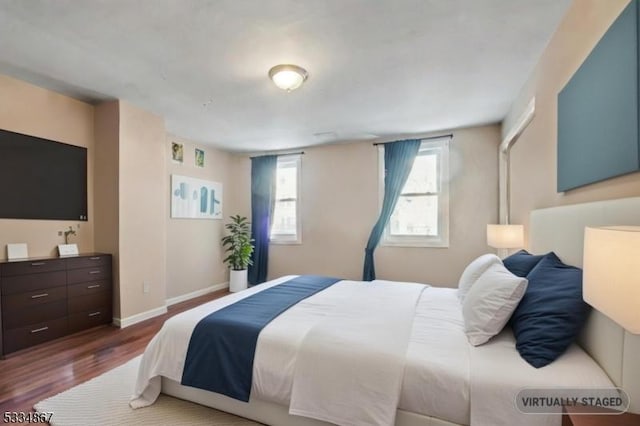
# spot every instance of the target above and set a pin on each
(193, 198)
(598, 109)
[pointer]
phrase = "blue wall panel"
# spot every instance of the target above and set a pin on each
(598, 109)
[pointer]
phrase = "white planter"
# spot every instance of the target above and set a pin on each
(237, 280)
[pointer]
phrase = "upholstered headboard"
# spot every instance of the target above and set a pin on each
(561, 229)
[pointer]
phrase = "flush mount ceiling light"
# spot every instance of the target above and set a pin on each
(288, 77)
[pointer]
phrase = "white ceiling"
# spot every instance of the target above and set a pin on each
(377, 68)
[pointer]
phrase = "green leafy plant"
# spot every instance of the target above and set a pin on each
(238, 244)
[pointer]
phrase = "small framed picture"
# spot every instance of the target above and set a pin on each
(17, 251)
(177, 152)
(67, 250)
(199, 157)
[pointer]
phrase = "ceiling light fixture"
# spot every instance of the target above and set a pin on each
(288, 77)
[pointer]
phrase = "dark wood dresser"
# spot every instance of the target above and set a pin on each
(46, 298)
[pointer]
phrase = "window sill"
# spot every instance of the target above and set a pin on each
(415, 244)
(286, 242)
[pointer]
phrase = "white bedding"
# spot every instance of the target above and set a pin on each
(349, 368)
(436, 378)
(444, 376)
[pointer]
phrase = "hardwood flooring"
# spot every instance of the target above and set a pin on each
(33, 374)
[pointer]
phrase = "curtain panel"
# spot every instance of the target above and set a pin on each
(398, 161)
(263, 192)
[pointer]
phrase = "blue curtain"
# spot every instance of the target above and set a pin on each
(263, 193)
(398, 161)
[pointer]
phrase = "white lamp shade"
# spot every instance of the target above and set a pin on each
(505, 236)
(611, 281)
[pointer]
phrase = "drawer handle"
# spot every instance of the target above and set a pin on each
(95, 258)
(37, 296)
(38, 263)
(93, 286)
(94, 272)
(38, 330)
(93, 314)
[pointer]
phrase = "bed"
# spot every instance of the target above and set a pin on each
(444, 380)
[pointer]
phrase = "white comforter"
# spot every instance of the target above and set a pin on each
(437, 380)
(349, 368)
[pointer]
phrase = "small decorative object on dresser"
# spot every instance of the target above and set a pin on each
(239, 246)
(46, 298)
(17, 251)
(67, 233)
(67, 250)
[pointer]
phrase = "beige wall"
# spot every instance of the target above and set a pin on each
(142, 210)
(194, 252)
(340, 205)
(533, 157)
(28, 109)
(107, 199)
(130, 190)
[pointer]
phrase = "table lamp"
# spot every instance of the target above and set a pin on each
(611, 281)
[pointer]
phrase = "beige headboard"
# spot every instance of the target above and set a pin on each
(561, 229)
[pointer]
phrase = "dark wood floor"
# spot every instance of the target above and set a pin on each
(34, 374)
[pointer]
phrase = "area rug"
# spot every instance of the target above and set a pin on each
(105, 401)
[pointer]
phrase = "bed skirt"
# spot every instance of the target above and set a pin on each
(271, 413)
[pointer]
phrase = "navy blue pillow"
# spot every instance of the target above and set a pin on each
(521, 262)
(551, 313)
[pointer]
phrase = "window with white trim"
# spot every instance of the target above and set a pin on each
(421, 216)
(285, 224)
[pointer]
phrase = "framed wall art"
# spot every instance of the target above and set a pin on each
(193, 198)
(199, 158)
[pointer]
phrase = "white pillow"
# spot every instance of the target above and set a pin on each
(490, 303)
(473, 271)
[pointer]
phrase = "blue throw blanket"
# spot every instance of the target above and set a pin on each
(223, 344)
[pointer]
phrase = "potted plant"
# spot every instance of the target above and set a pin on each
(239, 246)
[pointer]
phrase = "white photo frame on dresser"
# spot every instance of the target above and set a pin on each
(67, 250)
(17, 251)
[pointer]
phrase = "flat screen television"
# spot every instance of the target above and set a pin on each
(42, 179)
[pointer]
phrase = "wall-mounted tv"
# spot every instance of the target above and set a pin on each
(42, 179)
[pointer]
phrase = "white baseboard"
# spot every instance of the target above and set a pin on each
(197, 293)
(134, 319)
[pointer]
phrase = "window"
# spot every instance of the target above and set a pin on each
(285, 226)
(421, 216)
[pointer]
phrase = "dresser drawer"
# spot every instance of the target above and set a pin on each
(90, 287)
(89, 302)
(34, 315)
(88, 274)
(88, 261)
(88, 319)
(19, 301)
(44, 299)
(32, 267)
(33, 282)
(37, 333)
